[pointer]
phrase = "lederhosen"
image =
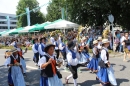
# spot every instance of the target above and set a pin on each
(73, 69)
(48, 72)
(101, 62)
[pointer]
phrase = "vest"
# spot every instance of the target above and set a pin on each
(36, 46)
(42, 47)
(12, 61)
(47, 72)
(56, 44)
(64, 50)
(98, 55)
(101, 62)
(73, 54)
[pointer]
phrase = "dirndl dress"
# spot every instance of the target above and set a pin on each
(102, 76)
(93, 64)
(51, 81)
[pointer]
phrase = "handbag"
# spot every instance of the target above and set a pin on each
(59, 74)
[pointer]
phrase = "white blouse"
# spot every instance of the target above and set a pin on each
(7, 61)
(40, 49)
(72, 61)
(103, 55)
(43, 60)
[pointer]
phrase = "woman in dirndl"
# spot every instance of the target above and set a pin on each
(49, 74)
(15, 73)
(93, 64)
(105, 67)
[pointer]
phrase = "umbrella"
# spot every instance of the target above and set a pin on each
(61, 24)
(17, 30)
(40, 26)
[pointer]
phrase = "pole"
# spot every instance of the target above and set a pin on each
(8, 22)
(113, 35)
(28, 16)
(62, 13)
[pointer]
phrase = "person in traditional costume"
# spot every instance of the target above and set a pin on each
(93, 64)
(35, 51)
(72, 59)
(15, 76)
(21, 53)
(42, 46)
(105, 67)
(56, 43)
(49, 74)
(62, 48)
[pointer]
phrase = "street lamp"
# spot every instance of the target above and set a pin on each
(111, 19)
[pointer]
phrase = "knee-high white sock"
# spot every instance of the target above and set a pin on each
(75, 82)
(69, 76)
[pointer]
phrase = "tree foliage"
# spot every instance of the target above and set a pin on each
(35, 17)
(91, 12)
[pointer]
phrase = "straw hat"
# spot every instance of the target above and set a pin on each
(95, 42)
(8, 53)
(99, 38)
(105, 41)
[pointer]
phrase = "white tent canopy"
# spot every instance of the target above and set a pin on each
(62, 24)
(26, 29)
(7, 33)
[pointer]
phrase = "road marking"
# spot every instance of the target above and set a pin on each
(30, 67)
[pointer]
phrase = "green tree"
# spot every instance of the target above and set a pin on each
(54, 10)
(35, 17)
(91, 12)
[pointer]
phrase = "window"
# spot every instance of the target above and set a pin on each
(13, 22)
(2, 17)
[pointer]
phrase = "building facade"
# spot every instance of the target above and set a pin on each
(3, 21)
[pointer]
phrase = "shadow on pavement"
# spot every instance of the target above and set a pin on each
(3, 76)
(33, 77)
(119, 81)
(89, 83)
(123, 67)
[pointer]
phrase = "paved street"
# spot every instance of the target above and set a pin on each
(122, 70)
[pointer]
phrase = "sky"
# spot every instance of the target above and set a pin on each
(9, 6)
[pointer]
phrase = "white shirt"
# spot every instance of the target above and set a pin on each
(72, 61)
(61, 47)
(40, 49)
(122, 39)
(103, 55)
(33, 48)
(7, 61)
(43, 60)
(52, 40)
(56, 48)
